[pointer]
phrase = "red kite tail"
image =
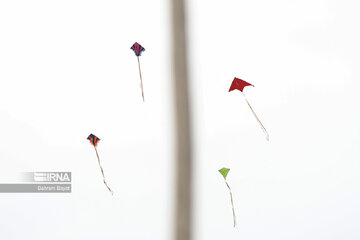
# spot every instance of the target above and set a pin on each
(232, 203)
(102, 171)
(262, 126)
(142, 89)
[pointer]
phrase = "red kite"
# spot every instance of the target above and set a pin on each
(138, 49)
(94, 141)
(240, 84)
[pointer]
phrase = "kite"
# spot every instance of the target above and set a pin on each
(240, 85)
(94, 141)
(137, 48)
(224, 172)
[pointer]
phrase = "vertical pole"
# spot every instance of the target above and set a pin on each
(183, 165)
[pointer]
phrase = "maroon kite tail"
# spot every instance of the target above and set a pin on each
(261, 125)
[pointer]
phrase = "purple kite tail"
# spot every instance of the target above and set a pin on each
(102, 171)
(142, 89)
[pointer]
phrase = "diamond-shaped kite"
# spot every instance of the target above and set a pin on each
(138, 49)
(240, 84)
(224, 172)
(94, 141)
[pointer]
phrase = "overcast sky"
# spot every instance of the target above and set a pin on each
(66, 70)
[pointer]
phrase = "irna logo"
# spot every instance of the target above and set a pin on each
(52, 176)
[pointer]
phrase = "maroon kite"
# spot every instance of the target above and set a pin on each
(240, 84)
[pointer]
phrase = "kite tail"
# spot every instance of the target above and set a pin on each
(102, 171)
(142, 89)
(262, 126)
(232, 204)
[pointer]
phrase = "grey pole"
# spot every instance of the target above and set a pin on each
(183, 165)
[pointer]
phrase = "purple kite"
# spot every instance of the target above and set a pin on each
(138, 49)
(94, 141)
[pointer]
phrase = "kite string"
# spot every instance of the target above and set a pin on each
(232, 203)
(102, 171)
(142, 89)
(262, 126)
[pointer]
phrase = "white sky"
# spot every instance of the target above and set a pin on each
(66, 70)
